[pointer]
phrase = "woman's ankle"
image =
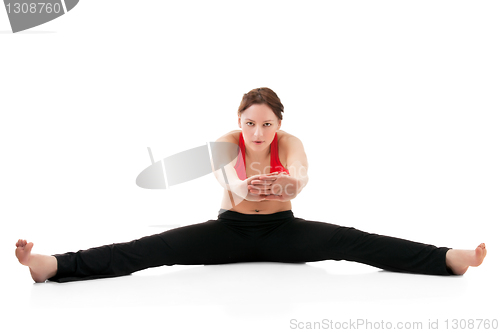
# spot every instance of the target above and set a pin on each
(42, 267)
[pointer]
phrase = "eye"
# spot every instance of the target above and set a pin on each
(265, 125)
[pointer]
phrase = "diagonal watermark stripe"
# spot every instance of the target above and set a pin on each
(187, 165)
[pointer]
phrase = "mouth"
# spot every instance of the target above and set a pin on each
(258, 142)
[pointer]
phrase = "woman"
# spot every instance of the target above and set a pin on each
(255, 222)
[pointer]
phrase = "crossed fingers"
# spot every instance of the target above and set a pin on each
(263, 185)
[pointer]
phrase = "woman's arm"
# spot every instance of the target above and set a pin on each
(287, 187)
(228, 177)
(296, 161)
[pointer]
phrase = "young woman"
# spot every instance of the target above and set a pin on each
(255, 222)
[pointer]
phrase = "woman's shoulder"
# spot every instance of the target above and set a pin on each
(285, 139)
(232, 136)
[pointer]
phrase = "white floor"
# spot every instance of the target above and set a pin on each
(249, 297)
(396, 104)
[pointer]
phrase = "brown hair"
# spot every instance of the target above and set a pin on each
(262, 96)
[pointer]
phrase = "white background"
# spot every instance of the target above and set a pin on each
(397, 105)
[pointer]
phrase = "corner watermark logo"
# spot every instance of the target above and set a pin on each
(26, 14)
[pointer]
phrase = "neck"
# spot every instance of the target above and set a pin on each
(258, 155)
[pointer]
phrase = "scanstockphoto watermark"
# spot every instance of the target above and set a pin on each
(288, 189)
(366, 324)
(354, 324)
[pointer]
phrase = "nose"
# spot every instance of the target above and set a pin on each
(258, 132)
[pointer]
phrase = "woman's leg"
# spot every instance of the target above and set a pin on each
(302, 241)
(210, 242)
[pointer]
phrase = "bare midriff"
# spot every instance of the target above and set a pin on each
(255, 207)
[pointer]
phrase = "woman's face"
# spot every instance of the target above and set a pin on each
(259, 125)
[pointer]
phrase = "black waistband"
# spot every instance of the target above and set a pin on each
(232, 215)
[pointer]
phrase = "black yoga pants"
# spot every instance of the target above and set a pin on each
(236, 237)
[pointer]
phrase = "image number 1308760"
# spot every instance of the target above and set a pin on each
(33, 8)
(26, 14)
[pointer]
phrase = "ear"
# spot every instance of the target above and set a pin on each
(239, 121)
(279, 124)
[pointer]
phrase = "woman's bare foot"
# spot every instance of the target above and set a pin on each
(460, 260)
(23, 251)
(41, 266)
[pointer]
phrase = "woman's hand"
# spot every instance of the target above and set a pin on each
(253, 192)
(275, 186)
(259, 186)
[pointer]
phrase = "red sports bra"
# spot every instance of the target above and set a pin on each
(275, 160)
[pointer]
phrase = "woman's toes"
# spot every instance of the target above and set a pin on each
(480, 253)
